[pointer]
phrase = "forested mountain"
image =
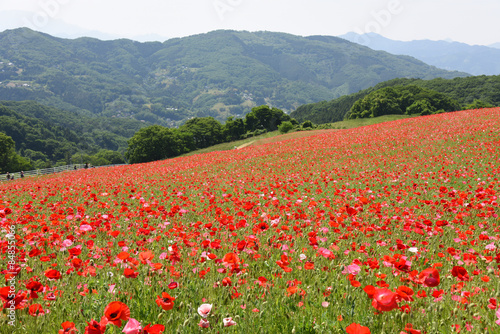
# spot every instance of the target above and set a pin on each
(217, 74)
(50, 135)
(473, 59)
(471, 91)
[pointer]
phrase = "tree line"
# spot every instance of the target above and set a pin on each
(399, 100)
(469, 92)
(157, 142)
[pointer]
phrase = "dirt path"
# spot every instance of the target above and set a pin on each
(245, 145)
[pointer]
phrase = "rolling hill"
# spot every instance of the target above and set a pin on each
(217, 74)
(463, 90)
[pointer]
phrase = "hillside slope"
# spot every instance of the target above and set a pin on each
(463, 90)
(217, 74)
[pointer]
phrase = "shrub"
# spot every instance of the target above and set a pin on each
(285, 127)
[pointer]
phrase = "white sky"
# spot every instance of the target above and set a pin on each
(472, 22)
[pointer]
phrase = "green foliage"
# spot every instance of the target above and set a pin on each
(307, 124)
(205, 131)
(101, 158)
(218, 74)
(10, 161)
(156, 142)
(463, 90)
(263, 117)
(420, 107)
(478, 104)
(233, 129)
(45, 134)
(400, 100)
(285, 127)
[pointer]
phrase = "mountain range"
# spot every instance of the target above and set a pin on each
(219, 74)
(453, 56)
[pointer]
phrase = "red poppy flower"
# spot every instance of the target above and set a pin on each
(123, 256)
(405, 293)
(130, 273)
(115, 312)
(77, 263)
(166, 301)
(370, 290)
(309, 266)
(19, 299)
(75, 251)
(52, 274)
(34, 287)
(460, 273)
(384, 300)
(429, 277)
(226, 281)
(146, 256)
(357, 329)
(34, 252)
(94, 327)
(155, 329)
(68, 328)
(409, 328)
(36, 310)
(231, 258)
(291, 290)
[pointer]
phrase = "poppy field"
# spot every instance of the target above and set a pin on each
(388, 228)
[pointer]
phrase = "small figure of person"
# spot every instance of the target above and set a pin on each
(86, 165)
(7, 176)
(74, 167)
(22, 174)
(12, 178)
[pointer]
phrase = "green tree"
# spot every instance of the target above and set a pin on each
(10, 161)
(285, 127)
(233, 128)
(206, 131)
(109, 157)
(478, 104)
(420, 107)
(266, 118)
(307, 124)
(409, 99)
(153, 143)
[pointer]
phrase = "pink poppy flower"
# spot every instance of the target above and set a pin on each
(325, 252)
(351, 269)
(204, 323)
(85, 228)
(67, 243)
(132, 327)
(228, 322)
(204, 310)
